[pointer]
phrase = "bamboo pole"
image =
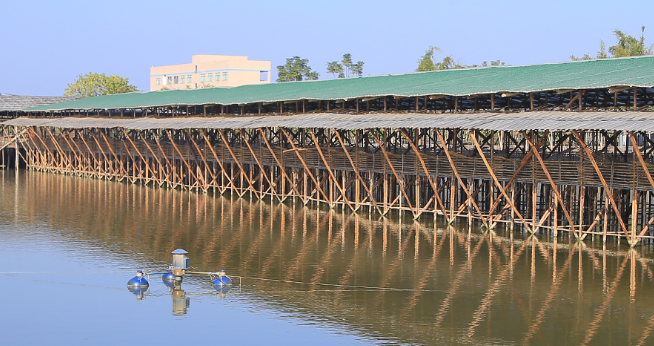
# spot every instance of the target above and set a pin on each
(601, 177)
(456, 173)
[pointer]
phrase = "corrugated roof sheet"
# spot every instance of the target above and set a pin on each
(592, 74)
(17, 102)
(544, 120)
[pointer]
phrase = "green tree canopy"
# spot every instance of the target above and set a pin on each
(427, 63)
(627, 45)
(345, 68)
(96, 84)
(295, 69)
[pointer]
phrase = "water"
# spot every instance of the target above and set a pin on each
(319, 276)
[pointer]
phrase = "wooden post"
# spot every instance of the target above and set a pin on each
(240, 167)
(508, 199)
(331, 173)
(356, 171)
(461, 184)
(601, 177)
(397, 176)
(429, 177)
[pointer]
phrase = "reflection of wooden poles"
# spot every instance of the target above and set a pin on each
(493, 290)
(609, 193)
(554, 289)
(605, 304)
(454, 286)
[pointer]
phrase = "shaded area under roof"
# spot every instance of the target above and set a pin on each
(11, 103)
(591, 74)
(543, 120)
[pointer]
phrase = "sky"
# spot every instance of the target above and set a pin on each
(47, 44)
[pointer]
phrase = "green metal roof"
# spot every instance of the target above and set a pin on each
(591, 74)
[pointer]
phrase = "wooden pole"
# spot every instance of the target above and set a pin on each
(606, 186)
(458, 178)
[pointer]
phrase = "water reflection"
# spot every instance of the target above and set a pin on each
(139, 292)
(180, 301)
(405, 281)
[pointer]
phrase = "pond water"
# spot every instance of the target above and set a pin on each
(306, 274)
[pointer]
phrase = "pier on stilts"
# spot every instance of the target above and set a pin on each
(559, 147)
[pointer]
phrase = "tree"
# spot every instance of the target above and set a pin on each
(345, 68)
(627, 45)
(426, 62)
(335, 69)
(96, 84)
(295, 69)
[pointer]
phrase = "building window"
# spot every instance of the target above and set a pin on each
(170, 80)
(263, 76)
(202, 78)
(176, 79)
(158, 81)
(210, 77)
(182, 79)
(224, 75)
(188, 78)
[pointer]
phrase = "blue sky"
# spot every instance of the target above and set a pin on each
(47, 44)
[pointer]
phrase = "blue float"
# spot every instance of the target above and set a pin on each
(222, 279)
(168, 275)
(138, 281)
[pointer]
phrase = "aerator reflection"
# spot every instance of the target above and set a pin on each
(175, 274)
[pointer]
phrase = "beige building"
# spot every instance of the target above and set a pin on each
(210, 71)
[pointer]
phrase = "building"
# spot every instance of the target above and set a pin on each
(210, 71)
